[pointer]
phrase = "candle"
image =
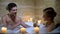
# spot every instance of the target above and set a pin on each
(23, 30)
(36, 29)
(28, 20)
(4, 30)
(31, 19)
(39, 21)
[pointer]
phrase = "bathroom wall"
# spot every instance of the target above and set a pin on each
(31, 8)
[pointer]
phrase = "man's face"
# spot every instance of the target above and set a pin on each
(13, 10)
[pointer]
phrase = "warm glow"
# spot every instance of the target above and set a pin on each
(30, 19)
(23, 30)
(27, 18)
(42, 20)
(4, 29)
(36, 29)
(39, 21)
(34, 20)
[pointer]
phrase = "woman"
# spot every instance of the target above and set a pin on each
(48, 15)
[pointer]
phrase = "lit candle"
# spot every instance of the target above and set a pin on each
(28, 20)
(39, 21)
(23, 30)
(31, 19)
(4, 30)
(36, 29)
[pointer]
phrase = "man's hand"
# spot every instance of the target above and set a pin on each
(24, 25)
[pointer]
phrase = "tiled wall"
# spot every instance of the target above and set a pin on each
(57, 6)
(31, 8)
(25, 7)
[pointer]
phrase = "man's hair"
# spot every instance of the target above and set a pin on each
(50, 12)
(10, 6)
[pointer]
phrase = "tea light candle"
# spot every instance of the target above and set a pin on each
(4, 30)
(39, 21)
(36, 29)
(28, 20)
(31, 19)
(23, 30)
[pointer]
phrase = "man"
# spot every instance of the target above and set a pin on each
(11, 20)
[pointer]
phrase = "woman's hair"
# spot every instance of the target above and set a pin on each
(50, 12)
(10, 6)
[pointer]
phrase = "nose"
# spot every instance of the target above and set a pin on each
(14, 11)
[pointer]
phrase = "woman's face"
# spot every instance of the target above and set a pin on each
(45, 16)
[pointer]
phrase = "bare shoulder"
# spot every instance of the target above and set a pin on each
(4, 17)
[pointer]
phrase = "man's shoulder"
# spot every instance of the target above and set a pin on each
(4, 16)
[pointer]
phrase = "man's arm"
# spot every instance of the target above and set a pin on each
(14, 26)
(17, 24)
(23, 24)
(20, 22)
(4, 21)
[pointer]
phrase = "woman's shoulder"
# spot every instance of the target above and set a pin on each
(57, 28)
(57, 25)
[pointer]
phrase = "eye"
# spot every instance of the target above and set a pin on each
(14, 10)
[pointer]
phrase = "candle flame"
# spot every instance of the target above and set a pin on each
(39, 21)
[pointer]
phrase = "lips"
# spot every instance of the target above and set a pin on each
(15, 12)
